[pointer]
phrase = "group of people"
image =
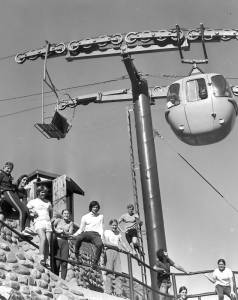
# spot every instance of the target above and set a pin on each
(222, 277)
(13, 196)
(92, 230)
(38, 213)
(35, 217)
(13, 199)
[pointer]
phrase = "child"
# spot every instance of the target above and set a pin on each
(9, 197)
(41, 208)
(22, 195)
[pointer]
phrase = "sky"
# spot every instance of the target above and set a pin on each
(200, 225)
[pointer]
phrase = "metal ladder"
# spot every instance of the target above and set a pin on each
(135, 197)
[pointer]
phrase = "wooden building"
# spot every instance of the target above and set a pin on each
(61, 190)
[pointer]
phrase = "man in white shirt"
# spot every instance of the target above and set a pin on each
(91, 230)
(112, 237)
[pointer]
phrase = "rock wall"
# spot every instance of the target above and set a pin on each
(86, 277)
(23, 277)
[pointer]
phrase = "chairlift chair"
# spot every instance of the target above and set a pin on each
(59, 126)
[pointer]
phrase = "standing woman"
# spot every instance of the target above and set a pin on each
(41, 208)
(20, 188)
(63, 228)
(22, 194)
(222, 277)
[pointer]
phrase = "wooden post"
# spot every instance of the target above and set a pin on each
(59, 195)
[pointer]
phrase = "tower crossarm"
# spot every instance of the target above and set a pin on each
(131, 43)
(110, 96)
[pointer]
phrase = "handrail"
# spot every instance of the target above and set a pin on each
(205, 294)
(124, 275)
(132, 255)
(130, 276)
(19, 234)
(73, 262)
(194, 273)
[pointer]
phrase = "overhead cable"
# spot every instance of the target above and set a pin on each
(96, 83)
(67, 88)
(24, 110)
(7, 57)
(199, 173)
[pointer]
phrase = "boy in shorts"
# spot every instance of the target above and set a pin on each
(41, 209)
(132, 221)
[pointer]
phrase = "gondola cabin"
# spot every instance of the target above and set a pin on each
(201, 108)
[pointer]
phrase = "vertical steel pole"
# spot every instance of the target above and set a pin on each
(148, 167)
(130, 271)
(234, 284)
(174, 286)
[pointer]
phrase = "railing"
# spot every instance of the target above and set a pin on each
(19, 234)
(128, 276)
(200, 295)
(132, 280)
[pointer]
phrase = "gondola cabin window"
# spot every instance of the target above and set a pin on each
(196, 90)
(173, 95)
(220, 86)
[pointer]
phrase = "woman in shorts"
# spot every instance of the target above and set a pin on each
(41, 209)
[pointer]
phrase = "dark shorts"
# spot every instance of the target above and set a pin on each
(163, 280)
(130, 234)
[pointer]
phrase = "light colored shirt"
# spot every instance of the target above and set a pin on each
(112, 238)
(91, 222)
(223, 278)
(42, 208)
(129, 220)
